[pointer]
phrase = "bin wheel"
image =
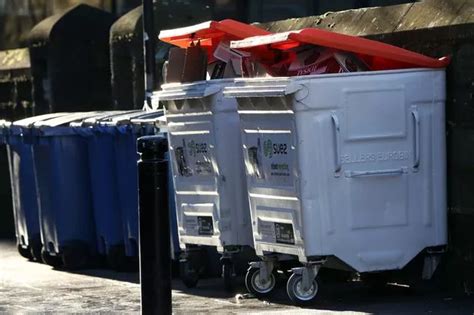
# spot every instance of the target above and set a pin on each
(255, 285)
(228, 274)
(74, 257)
(296, 293)
(25, 252)
(188, 274)
(53, 261)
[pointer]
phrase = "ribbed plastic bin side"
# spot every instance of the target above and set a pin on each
(127, 128)
(17, 135)
(103, 182)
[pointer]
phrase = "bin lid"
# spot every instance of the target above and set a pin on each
(131, 122)
(18, 127)
(28, 122)
(210, 34)
(138, 117)
(378, 55)
(66, 120)
(61, 125)
(96, 119)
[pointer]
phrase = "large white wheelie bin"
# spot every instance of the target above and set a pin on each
(344, 169)
(205, 152)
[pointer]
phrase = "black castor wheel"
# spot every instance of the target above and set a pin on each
(257, 286)
(297, 293)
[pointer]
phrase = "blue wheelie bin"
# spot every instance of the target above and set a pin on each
(159, 122)
(17, 136)
(104, 187)
(128, 128)
(63, 181)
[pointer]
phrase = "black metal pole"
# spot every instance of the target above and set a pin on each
(154, 238)
(149, 44)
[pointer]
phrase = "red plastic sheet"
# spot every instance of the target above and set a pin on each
(210, 34)
(377, 55)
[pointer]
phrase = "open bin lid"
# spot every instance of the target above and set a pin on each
(377, 55)
(210, 34)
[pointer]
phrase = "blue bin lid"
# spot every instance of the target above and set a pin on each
(95, 120)
(134, 122)
(60, 126)
(89, 125)
(18, 127)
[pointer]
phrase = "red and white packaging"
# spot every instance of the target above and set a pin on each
(310, 60)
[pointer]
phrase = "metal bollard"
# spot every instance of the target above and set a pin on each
(154, 229)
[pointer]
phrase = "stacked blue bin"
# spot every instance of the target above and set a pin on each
(160, 123)
(128, 128)
(104, 187)
(17, 136)
(63, 182)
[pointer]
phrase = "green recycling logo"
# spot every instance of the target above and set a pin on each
(268, 148)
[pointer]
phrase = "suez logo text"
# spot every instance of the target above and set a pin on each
(270, 148)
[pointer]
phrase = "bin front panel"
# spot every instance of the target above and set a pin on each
(191, 142)
(105, 196)
(270, 153)
(207, 165)
(70, 195)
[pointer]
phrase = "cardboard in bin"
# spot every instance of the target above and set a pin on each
(375, 55)
(186, 64)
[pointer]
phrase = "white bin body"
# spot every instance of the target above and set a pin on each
(207, 165)
(346, 165)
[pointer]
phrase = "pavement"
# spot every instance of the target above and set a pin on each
(28, 287)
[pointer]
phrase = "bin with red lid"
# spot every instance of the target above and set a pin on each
(347, 169)
(206, 155)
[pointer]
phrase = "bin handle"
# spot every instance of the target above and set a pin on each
(387, 172)
(336, 130)
(184, 94)
(274, 90)
(416, 140)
